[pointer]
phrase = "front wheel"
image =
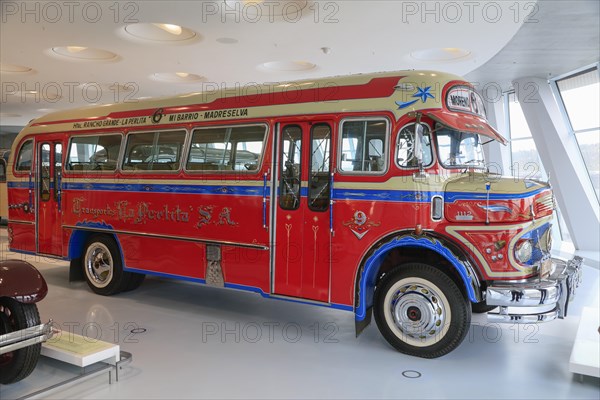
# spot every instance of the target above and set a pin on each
(102, 266)
(421, 311)
(14, 316)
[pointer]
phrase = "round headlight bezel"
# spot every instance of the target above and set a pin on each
(524, 251)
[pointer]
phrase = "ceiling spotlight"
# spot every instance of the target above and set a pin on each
(171, 28)
(158, 32)
(326, 50)
(80, 53)
(75, 49)
(14, 69)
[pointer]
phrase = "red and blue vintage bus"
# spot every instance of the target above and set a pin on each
(366, 193)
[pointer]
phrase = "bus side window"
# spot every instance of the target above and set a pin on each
(25, 156)
(364, 146)
(406, 157)
(291, 163)
(233, 148)
(2, 171)
(154, 151)
(44, 169)
(320, 164)
(93, 153)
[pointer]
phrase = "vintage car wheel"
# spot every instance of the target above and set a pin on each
(102, 266)
(421, 311)
(481, 307)
(14, 316)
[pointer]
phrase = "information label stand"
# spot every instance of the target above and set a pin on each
(93, 357)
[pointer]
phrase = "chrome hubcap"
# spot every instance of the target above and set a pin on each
(418, 312)
(99, 264)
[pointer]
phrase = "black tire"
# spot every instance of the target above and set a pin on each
(135, 281)
(102, 266)
(420, 311)
(18, 364)
(481, 307)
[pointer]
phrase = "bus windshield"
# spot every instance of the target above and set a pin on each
(458, 149)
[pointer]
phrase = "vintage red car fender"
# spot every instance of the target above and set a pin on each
(21, 281)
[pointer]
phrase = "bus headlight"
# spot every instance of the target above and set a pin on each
(523, 251)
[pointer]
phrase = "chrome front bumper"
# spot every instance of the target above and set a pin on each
(26, 337)
(553, 293)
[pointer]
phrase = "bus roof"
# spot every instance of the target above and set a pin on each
(397, 92)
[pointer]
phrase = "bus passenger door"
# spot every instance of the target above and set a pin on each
(48, 179)
(302, 232)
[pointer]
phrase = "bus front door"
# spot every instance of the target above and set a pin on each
(48, 190)
(302, 217)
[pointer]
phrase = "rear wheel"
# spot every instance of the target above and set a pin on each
(421, 311)
(102, 266)
(14, 316)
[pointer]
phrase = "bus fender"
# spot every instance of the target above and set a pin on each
(77, 242)
(369, 273)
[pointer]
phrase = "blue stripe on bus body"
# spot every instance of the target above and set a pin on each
(451, 197)
(163, 188)
(25, 252)
(409, 196)
(19, 185)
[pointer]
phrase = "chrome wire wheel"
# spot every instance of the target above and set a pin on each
(417, 311)
(99, 265)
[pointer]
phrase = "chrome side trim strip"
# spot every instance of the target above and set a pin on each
(12, 221)
(182, 238)
(300, 299)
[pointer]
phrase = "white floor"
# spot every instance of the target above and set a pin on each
(202, 342)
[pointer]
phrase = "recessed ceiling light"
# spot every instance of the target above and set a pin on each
(80, 53)
(159, 32)
(9, 115)
(226, 40)
(45, 110)
(176, 77)
(255, 9)
(287, 66)
(444, 54)
(14, 69)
